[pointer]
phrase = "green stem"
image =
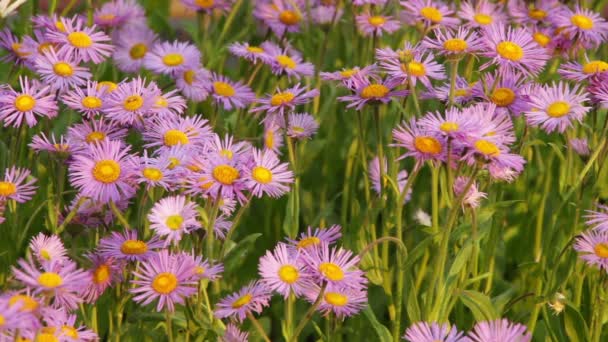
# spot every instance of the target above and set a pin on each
(71, 215)
(435, 196)
(453, 76)
(289, 315)
(258, 327)
(121, 218)
(235, 222)
(169, 325)
(309, 314)
(295, 204)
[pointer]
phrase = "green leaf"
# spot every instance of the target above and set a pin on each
(236, 256)
(479, 304)
(384, 335)
(575, 325)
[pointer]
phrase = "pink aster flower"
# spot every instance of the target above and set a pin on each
(301, 125)
(251, 298)
(194, 83)
(35, 45)
(533, 12)
(169, 104)
(426, 332)
(375, 25)
(224, 177)
(481, 14)
(509, 92)
(368, 91)
(463, 91)
(453, 123)
(118, 13)
(452, 42)
(61, 326)
(348, 76)
(131, 101)
(341, 301)
(171, 58)
(420, 68)
(580, 146)
(280, 15)
(83, 42)
(284, 272)
(598, 219)
(371, 2)
(61, 146)
(227, 148)
(316, 237)
(252, 53)
(33, 100)
(132, 46)
(337, 266)
(273, 138)
(93, 132)
(155, 172)
(267, 175)
(429, 13)
(89, 102)
(579, 72)
(104, 172)
(326, 15)
(127, 246)
(513, 49)
(473, 196)
(287, 61)
(501, 329)
(592, 245)
(374, 176)
(102, 274)
(582, 25)
(169, 131)
(233, 334)
(59, 281)
(230, 94)
(554, 107)
(277, 104)
(61, 72)
(16, 51)
(13, 319)
(173, 216)
(48, 248)
(204, 269)
(16, 186)
(420, 143)
(163, 277)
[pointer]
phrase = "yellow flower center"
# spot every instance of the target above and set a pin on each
(309, 241)
(46, 337)
(91, 102)
(109, 85)
(101, 274)
(50, 280)
(152, 174)
(28, 304)
(414, 68)
(106, 171)
(281, 98)
(537, 14)
(239, 303)
(45, 254)
(164, 283)
(223, 89)
(204, 184)
(133, 103)
(134, 247)
(348, 73)
(69, 331)
(487, 148)
(261, 175)
(483, 19)
(95, 137)
(432, 14)
(374, 91)
(226, 153)
(174, 222)
(288, 274)
(601, 250)
(558, 109)
(189, 76)
(25, 103)
(581, 21)
(449, 126)
(225, 174)
(594, 67)
(161, 102)
(44, 47)
(138, 51)
(297, 129)
(199, 270)
(288, 17)
(331, 271)
(376, 20)
(269, 139)
(510, 51)
(336, 299)
(80, 39)
(541, 38)
(461, 92)
(7, 188)
(63, 69)
(502, 97)
(204, 3)
(174, 136)
(455, 45)
(426, 144)
(17, 50)
(59, 26)
(286, 61)
(255, 49)
(173, 162)
(106, 17)
(173, 59)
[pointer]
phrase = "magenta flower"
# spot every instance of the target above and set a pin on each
(118, 13)
(251, 298)
(273, 138)
(426, 332)
(93, 132)
(375, 25)
(127, 246)
(171, 58)
(280, 15)
(33, 100)
(48, 248)
(583, 25)
(540, 11)
(267, 175)
(317, 237)
(420, 143)
(227, 148)
(501, 330)
(554, 107)
(277, 104)
(598, 219)
(84, 43)
(481, 14)
(173, 216)
(252, 53)
(473, 196)
(509, 93)
(233, 334)
(337, 266)
(155, 172)
(230, 94)
(341, 301)
(224, 178)
(372, 92)
(576, 71)
(16, 51)
(166, 132)
(580, 146)
(16, 186)
(60, 71)
(89, 102)
(451, 42)
(374, 176)
(419, 68)
(132, 46)
(194, 83)
(348, 76)
(287, 61)
(131, 101)
(102, 274)
(301, 125)
(284, 272)
(429, 13)
(62, 146)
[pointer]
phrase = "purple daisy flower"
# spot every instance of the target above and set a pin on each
(463, 91)
(33, 100)
(131, 48)
(85, 43)
(509, 93)
(13, 319)
(473, 195)
(576, 71)
(35, 45)
(40, 143)
(164, 277)
(337, 266)
(226, 148)
(500, 330)
(267, 175)
(15, 185)
(451, 42)
(169, 104)
(311, 238)
(194, 83)
(284, 100)
(233, 334)
(513, 49)
(556, 106)
(524, 13)
(173, 216)
(375, 25)
(102, 274)
(61, 71)
(348, 75)
(171, 58)
(493, 152)
(592, 246)
(371, 91)
(374, 176)
(226, 178)
(421, 143)
(408, 52)
(598, 220)
(104, 172)
(155, 172)
(491, 125)
(252, 53)
(481, 14)
(230, 94)
(26, 302)
(452, 124)
(429, 12)
(48, 248)
(93, 132)
(251, 298)
(583, 25)
(166, 132)
(126, 246)
(60, 281)
(287, 61)
(284, 272)
(204, 269)
(16, 51)
(420, 68)
(131, 101)
(118, 13)
(580, 146)
(341, 301)
(326, 15)
(273, 138)
(301, 125)
(280, 15)
(62, 327)
(89, 102)
(433, 332)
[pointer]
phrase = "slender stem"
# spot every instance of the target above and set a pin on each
(435, 196)
(379, 146)
(210, 226)
(169, 325)
(229, 20)
(254, 73)
(235, 222)
(309, 314)
(258, 327)
(381, 240)
(121, 218)
(453, 76)
(295, 204)
(289, 315)
(363, 152)
(71, 214)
